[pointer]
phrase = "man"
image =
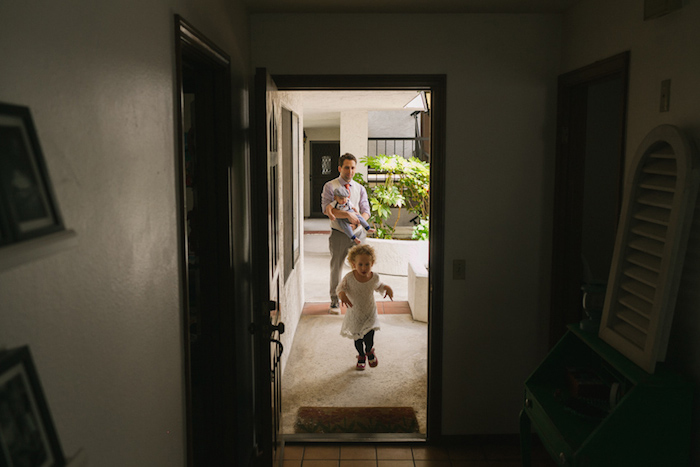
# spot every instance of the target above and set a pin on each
(338, 242)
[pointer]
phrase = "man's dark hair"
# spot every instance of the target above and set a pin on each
(346, 157)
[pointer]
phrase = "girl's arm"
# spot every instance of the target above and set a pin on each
(344, 299)
(388, 292)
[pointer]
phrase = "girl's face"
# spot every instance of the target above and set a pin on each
(363, 265)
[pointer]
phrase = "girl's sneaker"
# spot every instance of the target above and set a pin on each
(373, 361)
(360, 363)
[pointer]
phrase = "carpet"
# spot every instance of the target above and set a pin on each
(320, 370)
(356, 420)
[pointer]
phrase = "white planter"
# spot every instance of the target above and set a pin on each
(393, 256)
(418, 291)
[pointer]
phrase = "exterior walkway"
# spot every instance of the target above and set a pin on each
(317, 267)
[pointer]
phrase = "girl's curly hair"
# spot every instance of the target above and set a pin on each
(362, 249)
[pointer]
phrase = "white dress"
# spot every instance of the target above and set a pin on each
(361, 317)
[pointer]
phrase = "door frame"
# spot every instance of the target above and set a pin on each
(220, 421)
(565, 304)
(437, 85)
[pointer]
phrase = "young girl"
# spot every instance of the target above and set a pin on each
(356, 292)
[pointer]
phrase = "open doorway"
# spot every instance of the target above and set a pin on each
(316, 245)
(591, 122)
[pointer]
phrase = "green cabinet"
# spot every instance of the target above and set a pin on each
(591, 406)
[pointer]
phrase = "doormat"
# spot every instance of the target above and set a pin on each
(356, 420)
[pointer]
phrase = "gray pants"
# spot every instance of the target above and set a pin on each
(339, 244)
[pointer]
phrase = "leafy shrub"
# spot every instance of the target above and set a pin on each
(407, 185)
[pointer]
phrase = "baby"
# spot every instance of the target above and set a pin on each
(343, 203)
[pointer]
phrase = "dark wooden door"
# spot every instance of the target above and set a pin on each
(324, 167)
(265, 261)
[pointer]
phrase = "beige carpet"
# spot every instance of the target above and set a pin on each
(321, 368)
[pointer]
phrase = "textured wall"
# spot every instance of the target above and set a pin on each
(103, 319)
(292, 294)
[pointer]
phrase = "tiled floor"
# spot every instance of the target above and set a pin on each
(383, 308)
(408, 455)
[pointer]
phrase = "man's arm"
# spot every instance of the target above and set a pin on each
(329, 212)
(326, 198)
(364, 203)
(349, 215)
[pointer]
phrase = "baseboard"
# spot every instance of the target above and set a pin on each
(503, 439)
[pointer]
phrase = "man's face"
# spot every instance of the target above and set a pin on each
(347, 170)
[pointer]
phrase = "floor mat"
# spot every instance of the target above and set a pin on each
(356, 420)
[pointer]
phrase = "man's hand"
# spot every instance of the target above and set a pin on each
(329, 212)
(352, 217)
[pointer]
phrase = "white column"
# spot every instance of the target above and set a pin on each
(353, 136)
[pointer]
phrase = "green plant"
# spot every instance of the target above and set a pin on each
(422, 230)
(406, 185)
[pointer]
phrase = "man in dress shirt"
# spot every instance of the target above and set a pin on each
(338, 242)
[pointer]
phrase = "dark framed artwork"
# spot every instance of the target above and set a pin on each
(28, 207)
(27, 434)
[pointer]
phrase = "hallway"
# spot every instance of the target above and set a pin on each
(321, 366)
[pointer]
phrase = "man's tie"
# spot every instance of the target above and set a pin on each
(347, 185)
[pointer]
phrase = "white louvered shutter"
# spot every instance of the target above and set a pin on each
(659, 200)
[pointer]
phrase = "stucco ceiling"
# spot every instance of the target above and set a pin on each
(322, 108)
(408, 6)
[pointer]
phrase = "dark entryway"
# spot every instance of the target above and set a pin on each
(592, 104)
(324, 167)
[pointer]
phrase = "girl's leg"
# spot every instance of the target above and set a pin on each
(358, 346)
(361, 357)
(369, 346)
(369, 340)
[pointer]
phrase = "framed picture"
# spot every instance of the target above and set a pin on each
(27, 434)
(27, 204)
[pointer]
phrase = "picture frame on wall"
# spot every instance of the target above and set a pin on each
(27, 433)
(28, 206)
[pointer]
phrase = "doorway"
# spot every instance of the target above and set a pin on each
(436, 86)
(591, 122)
(323, 155)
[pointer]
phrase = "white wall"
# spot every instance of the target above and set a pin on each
(391, 124)
(292, 293)
(103, 319)
(501, 78)
(353, 136)
(663, 48)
